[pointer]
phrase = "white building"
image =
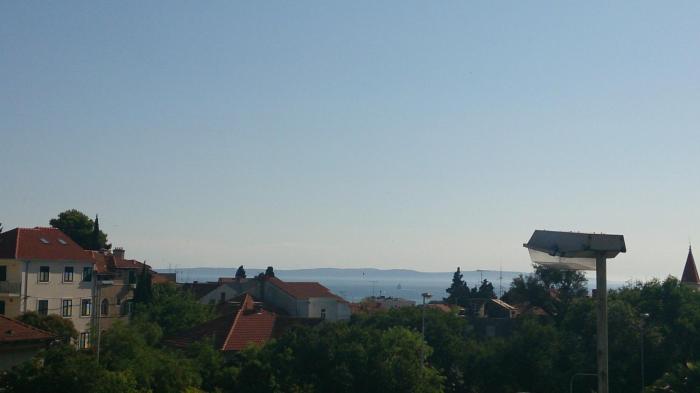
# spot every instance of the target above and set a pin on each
(297, 299)
(43, 270)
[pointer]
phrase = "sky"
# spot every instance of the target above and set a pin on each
(397, 134)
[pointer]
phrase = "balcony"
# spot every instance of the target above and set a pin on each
(10, 288)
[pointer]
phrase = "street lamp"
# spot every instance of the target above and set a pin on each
(582, 251)
(425, 295)
(642, 317)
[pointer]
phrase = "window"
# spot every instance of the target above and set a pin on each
(87, 273)
(323, 313)
(84, 342)
(43, 240)
(132, 277)
(3, 273)
(222, 297)
(62, 241)
(85, 307)
(68, 274)
(104, 307)
(2, 307)
(42, 307)
(44, 274)
(67, 308)
(127, 306)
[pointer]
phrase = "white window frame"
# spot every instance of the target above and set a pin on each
(84, 340)
(82, 301)
(48, 275)
(63, 308)
(72, 275)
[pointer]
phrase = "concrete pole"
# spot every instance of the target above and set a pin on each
(422, 350)
(602, 323)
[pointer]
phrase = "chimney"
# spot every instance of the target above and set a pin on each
(118, 252)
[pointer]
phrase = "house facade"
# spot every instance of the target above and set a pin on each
(46, 272)
(19, 342)
(114, 286)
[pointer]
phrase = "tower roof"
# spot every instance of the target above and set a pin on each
(690, 271)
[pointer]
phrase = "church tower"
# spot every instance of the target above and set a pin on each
(690, 272)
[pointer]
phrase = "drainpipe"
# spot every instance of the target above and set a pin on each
(26, 281)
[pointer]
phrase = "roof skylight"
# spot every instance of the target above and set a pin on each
(43, 240)
(62, 241)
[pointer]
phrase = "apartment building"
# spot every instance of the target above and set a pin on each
(43, 270)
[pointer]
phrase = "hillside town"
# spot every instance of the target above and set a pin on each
(44, 273)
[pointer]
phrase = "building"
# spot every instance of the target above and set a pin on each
(43, 270)
(244, 322)
(690, 272)
(374, 304)
(114, 286)
(296, 299)
(20, 342)
(491, 308)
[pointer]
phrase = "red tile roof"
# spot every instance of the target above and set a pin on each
(40, 243)
(234, 331)
(15, 331)
(107, 262)
(690, 271)
(303, 290)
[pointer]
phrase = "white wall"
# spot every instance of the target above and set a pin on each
(56, 289)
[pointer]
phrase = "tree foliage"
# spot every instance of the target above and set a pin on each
(63, 328)
(240, 273)
(172, 310)
(82, 229)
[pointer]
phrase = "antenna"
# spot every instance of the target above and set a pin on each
(374, 282)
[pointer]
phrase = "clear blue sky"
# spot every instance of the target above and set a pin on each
(421, 135)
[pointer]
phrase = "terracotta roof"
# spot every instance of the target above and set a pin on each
(40, 243)
(234, 331)
(105, 263)
(304, 290)
(15, 331)
(199, 289)
(163, 278)
(690, 271)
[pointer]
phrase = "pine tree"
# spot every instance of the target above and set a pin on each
(240, 273)
(143, 293)
(269, 272)
(458, 291)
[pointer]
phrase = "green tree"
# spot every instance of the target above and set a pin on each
(486, 290)
(143, 293)
(269, 272)
(81, 229)
(458, 292)
(62, 369)
(63, 328)
(684, 378)
(240, 273)
(172, 310)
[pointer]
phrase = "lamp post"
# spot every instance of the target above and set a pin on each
(425, 295)
(582, 251)
(642, 318)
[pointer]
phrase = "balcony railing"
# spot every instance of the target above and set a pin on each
(8, 287)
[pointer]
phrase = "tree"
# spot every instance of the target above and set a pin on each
(684, 378)
(81, 229)
(240, 273)
(269, 272)
(486, 291)
(172, 310)
(62, 369)
(143, 293)
(458, 291)
(63, 328)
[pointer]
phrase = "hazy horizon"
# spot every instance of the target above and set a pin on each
(408, 135)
